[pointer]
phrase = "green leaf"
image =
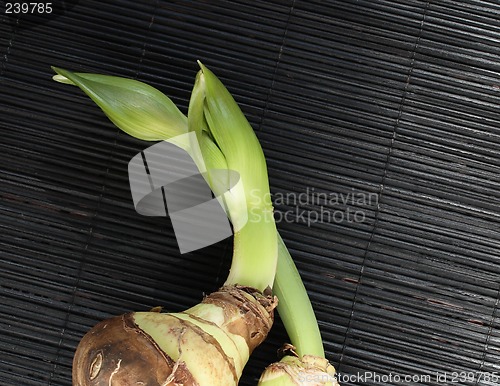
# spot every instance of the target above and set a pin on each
(196, 118)
(236, 139)
(135, 107)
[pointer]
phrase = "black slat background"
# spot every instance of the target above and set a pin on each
(390, 106)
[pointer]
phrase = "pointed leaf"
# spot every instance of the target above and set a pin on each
(236, 139)
(196, 119)
(135, 107)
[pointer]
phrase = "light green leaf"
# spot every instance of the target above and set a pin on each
(135, 107)
(236, 139)
(196, 119)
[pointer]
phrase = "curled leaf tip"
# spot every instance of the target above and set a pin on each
(62, 79)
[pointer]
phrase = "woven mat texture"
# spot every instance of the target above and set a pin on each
(380, 123)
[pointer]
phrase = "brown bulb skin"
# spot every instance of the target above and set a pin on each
(121, 351)
(116, 352)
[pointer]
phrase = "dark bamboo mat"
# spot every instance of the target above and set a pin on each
(380, 122)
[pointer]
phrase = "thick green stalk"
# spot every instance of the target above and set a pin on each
(251, 251)
(294, 306)
(255, 241)
(303, 362)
